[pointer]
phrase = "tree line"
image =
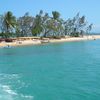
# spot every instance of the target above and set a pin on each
(43, 25)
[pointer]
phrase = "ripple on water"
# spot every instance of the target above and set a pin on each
(8, 91)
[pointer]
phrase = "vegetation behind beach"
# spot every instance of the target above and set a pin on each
(43, 25)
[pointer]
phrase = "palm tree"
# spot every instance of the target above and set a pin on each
(37, 27)
(9, 22)
(56, 15)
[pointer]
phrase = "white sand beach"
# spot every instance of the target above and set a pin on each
(38, 41)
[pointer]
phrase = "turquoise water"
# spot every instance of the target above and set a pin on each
(59, 71)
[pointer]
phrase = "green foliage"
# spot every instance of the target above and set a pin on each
(9, 21)
(77, 26)
(24, 25)
(43, 25)
(37, 28)
(8, 24)
(56, 15)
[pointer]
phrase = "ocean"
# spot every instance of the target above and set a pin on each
(55, 71)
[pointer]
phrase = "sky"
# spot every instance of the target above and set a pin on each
(67, 8)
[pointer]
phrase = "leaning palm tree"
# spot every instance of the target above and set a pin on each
(9, 22)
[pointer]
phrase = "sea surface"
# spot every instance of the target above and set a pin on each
(57, 71)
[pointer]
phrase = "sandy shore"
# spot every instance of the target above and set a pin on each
(37, 41)
(92, 37)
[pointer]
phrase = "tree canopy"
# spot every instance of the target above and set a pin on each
(43, 25)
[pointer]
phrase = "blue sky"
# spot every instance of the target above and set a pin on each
(67, 8)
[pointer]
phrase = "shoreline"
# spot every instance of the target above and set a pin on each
(37, 41)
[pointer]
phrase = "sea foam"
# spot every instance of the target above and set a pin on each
(6, 93)
(8, 89)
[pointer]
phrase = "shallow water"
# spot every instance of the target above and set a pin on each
(59, 71)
